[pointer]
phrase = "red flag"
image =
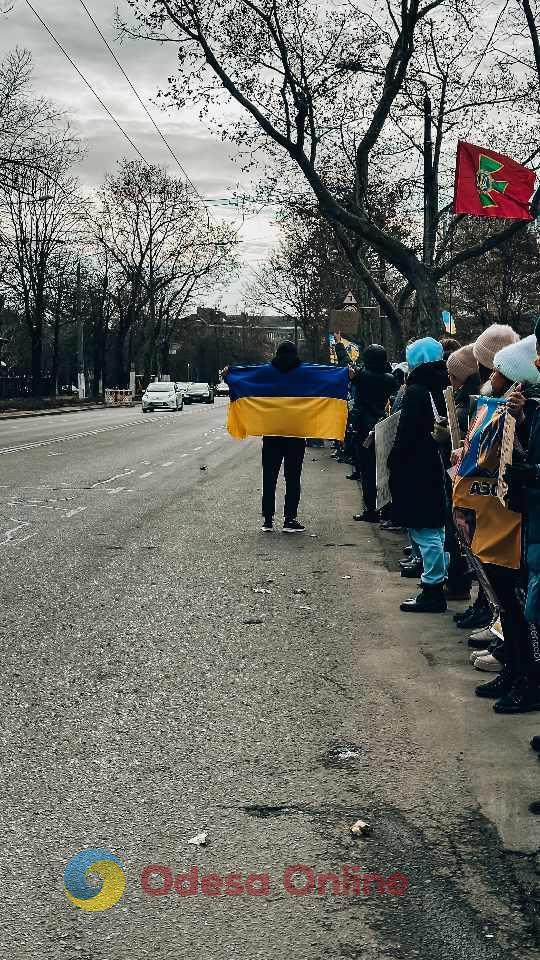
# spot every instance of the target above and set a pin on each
(488, 184)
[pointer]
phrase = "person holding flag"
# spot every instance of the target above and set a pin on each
(285, 401)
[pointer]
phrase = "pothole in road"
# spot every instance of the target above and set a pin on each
(340, 755)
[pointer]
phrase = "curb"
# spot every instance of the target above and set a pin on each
(55, 412)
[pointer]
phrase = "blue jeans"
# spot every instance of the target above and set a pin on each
(430, 542)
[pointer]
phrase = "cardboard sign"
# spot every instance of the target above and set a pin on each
(385, 434)
(346, 322)
(507, 451)
(453, 422)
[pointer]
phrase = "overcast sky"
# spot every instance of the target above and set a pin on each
(206, 159)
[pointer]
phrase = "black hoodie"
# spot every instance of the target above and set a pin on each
(373, 388)
(286, 358)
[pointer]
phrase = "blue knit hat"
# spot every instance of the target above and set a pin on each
(427, 350)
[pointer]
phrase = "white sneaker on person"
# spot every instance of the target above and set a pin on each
(489, 664)
(484, 635)
(476, 654)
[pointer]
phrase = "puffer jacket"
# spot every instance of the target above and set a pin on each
(417, 476)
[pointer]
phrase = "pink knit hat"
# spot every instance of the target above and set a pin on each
(497, 336)
(462, 363)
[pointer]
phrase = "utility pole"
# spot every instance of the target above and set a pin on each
(80, 325)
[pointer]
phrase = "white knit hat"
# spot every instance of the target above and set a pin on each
(517, 362)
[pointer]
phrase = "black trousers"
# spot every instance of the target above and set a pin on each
(275, 451)
(369, 480)
(515, 652)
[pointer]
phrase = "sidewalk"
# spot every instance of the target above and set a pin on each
(427, 657)
(12, 414)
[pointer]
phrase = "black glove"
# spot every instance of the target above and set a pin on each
(519, 477)
(522, 474)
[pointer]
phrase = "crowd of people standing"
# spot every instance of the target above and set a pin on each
(429, 489)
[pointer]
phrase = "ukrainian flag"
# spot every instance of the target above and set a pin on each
(309, 401)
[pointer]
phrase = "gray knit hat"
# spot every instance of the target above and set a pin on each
(497, 336)
(462, 363)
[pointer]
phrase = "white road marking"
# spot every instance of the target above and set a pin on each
(116, 490)
(144, 475)
(170, 463)
(196, 449)
(117, 476)
(73, 513)
(146, 463)
(183, 455)
(209, 443)
(78, 436)
(9, 538)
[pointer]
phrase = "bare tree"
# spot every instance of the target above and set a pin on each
(30, 127)
(161, 247)
(316, 82)
(40, 214)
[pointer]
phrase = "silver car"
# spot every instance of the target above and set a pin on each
(162, 396)
(200, 393)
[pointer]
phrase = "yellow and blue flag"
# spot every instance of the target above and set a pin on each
(309, 401)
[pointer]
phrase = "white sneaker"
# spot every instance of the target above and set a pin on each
(476, 654)
(488, 664)
(485, 635)
(496, 629)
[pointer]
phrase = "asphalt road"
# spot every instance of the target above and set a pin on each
(168, 669)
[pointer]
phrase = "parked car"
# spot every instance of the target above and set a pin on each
(222, 389)
(200, 393)
(162, 396)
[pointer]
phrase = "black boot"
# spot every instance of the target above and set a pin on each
(458, 617)
(535, 743)
(478, 619)
(522, 698)
(368, 516)
(431, 599)
(412, 570)
(498, 687)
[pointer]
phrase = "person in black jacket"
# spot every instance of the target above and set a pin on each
(417, 477)
(278, 451)
(373, 387)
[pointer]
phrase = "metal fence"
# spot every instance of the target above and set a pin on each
(12, 388)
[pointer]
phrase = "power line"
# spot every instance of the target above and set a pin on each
(87, 82)
(141, 101)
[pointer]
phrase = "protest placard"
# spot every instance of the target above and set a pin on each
(453, 422)
(507, 450)
(385, 434)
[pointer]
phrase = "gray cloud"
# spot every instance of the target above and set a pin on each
(208, 161)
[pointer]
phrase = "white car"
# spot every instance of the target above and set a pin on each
(162, 396)
(222, 389)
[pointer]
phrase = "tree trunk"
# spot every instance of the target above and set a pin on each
(119, 362)
(427, 320)
(37, 351)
